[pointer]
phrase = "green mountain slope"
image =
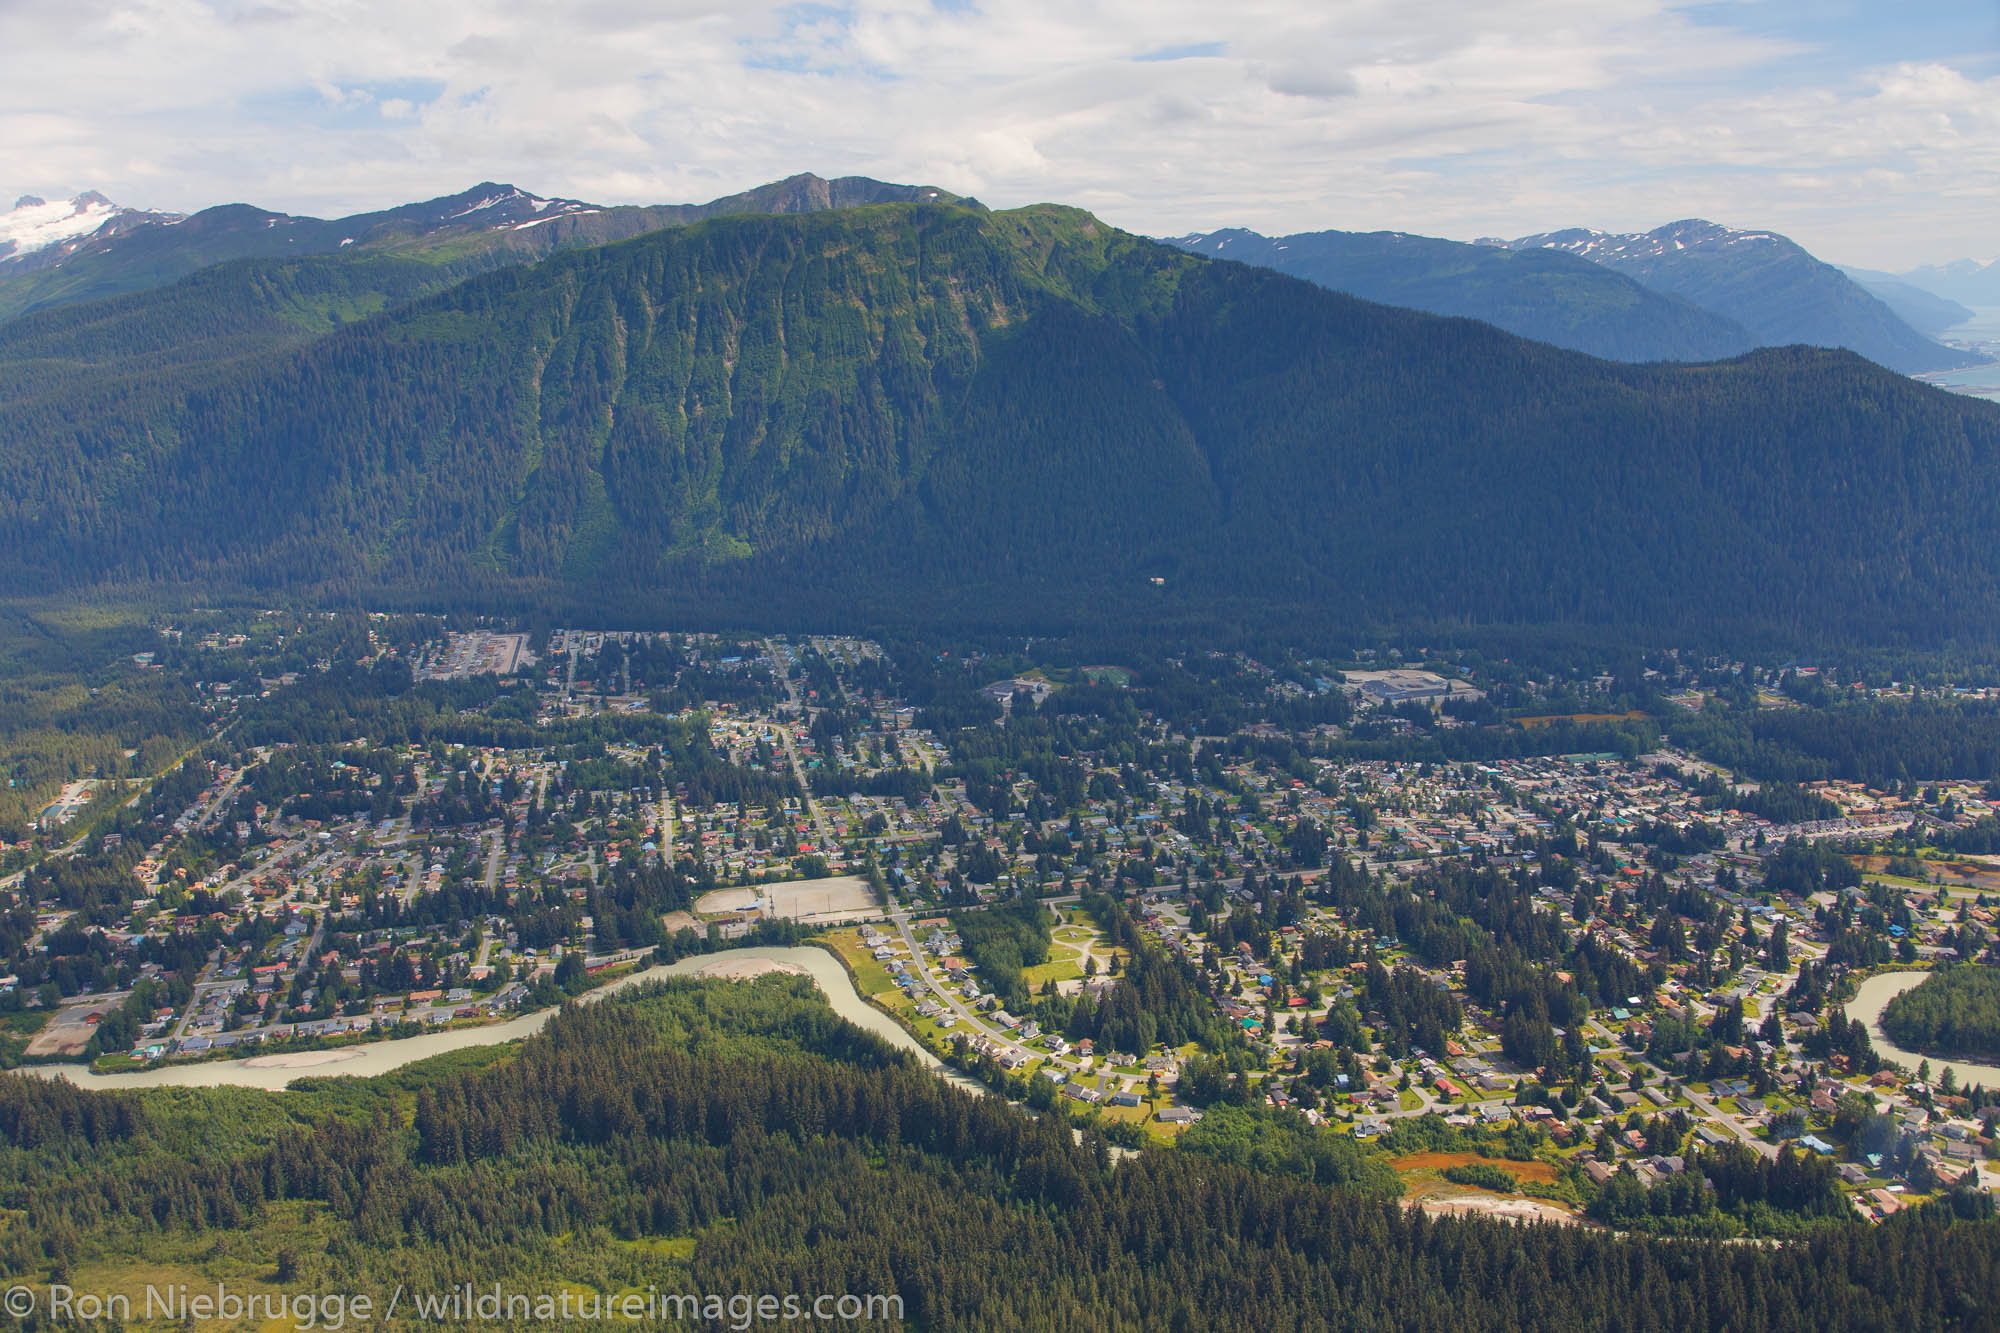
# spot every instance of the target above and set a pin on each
(920, 409)
(1546, 295)
(269, 281)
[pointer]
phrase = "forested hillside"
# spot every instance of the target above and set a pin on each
(914, 410)
(710, 1138)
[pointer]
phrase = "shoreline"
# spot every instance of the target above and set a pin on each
(276, 1072)
(1873, 997)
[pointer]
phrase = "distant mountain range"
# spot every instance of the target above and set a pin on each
(38, 234)
(921, 411)
(1925, 311)
(1969, 282)
(1763, 281)
(61, 254)
(1690, 291)
(1546, 295)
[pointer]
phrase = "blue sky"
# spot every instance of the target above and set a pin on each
(1869, 132)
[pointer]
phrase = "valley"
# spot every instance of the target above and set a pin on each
(1366, 903)
(845, 753)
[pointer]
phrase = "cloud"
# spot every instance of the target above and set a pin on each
(1455, 117)
(1302, 79)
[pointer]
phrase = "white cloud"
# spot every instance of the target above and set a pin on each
(1455, 117)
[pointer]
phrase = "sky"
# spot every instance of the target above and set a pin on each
(1867, 131)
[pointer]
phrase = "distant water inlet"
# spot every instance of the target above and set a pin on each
(1981, 333)
(275, 1072)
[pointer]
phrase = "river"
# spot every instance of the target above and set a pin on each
(274, 1073)
(1874, 996)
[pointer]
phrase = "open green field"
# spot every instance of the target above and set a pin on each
(1069, 943)
(870, 977)
(1056, 969)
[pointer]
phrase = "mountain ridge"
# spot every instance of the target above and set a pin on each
(1972, 282)
(1548, 296)
(914, 408)
(1765, 281)
(38, 234)
(1923, 310)
(487, 225)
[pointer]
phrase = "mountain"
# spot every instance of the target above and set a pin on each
(1765, 282)
(928, 410)
(38, 235)
(294, 279)
(1925, 311)
(485, 227)
(1541, 294)
(1967, 281)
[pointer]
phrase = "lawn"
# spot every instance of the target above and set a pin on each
(870, 977)
(1065, 968)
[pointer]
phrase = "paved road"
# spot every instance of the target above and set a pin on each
(666, 823)
(1716, 1114)
(951, 999)
(826, 843)
(215, 807)
(493, 855)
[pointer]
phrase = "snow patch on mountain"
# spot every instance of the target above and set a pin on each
(33, 224)
(515, 195)
(489, 202)
(1611, 248)
(569, 211)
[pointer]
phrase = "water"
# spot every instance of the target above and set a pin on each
(1981, 333)
(380, 1057)
(1873, 996)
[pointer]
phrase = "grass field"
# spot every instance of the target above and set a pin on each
(1536, 1172)
(1064, 968)
(1069, 943)
(1964, 878)
(870, 977)
(1578, 719)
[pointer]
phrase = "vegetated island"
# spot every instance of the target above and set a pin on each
(1954, 1012)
